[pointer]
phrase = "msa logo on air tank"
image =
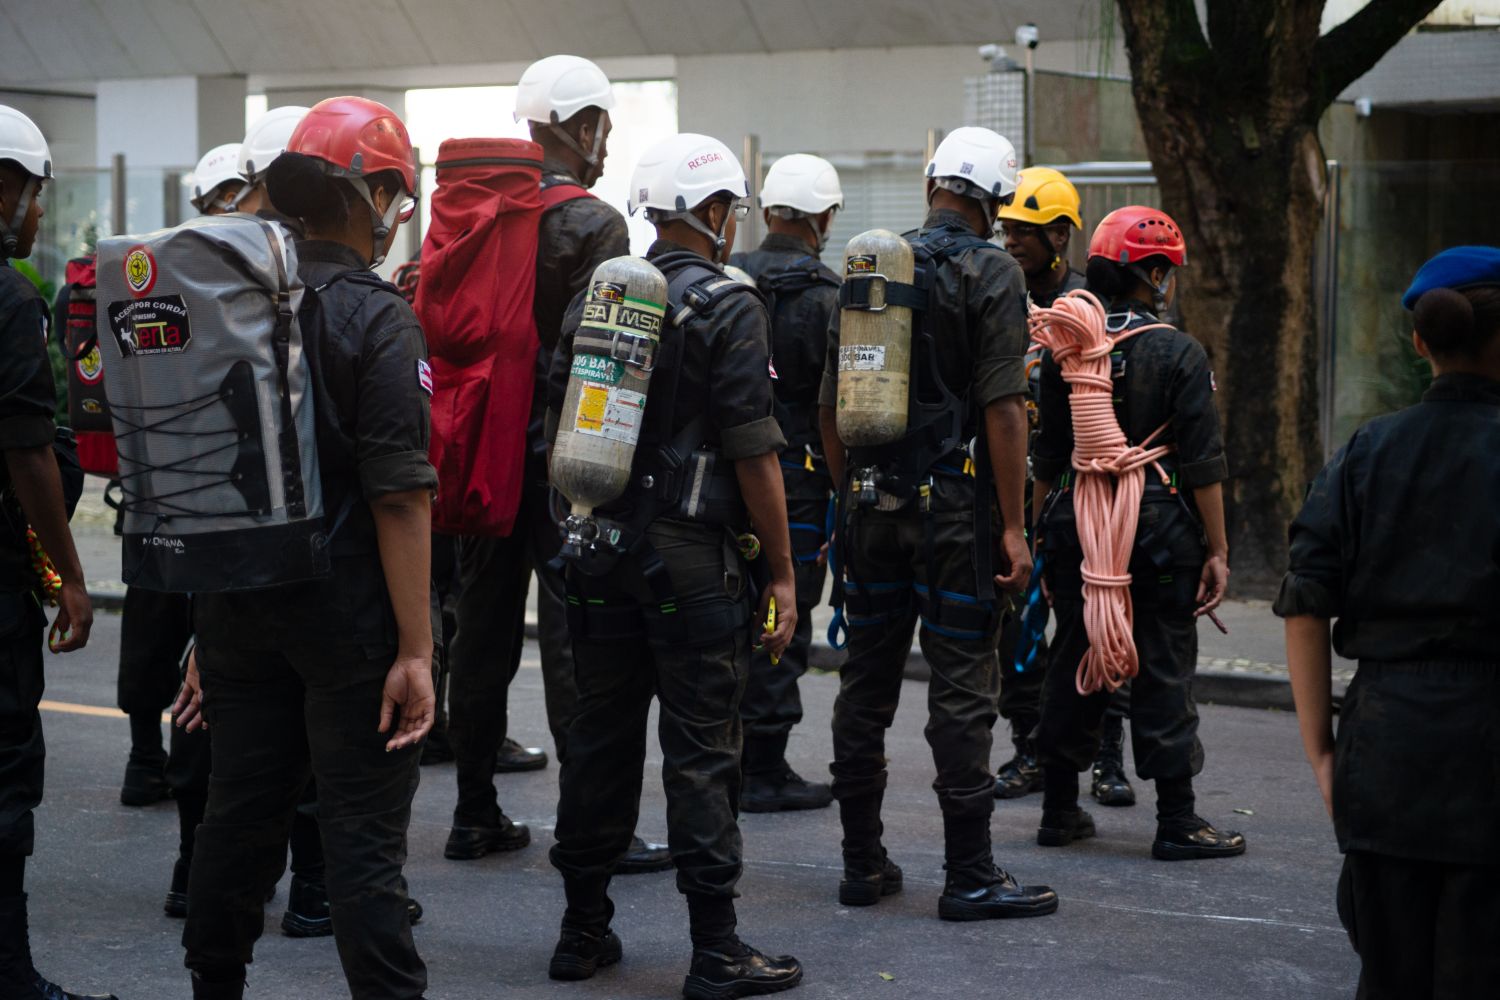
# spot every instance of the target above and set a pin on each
(609, 308)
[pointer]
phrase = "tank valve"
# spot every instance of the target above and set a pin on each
(579, 532)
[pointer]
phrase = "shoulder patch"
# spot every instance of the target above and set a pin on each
(424, 376)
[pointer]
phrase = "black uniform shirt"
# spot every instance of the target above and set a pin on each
(798, 331)
(28, 401)
(373, 433)
(1399, 538)
(572, 239)
(1072, 281)
(725, 373)
(1166, 380)
(980, 303)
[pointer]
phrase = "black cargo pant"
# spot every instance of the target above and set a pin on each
(494, 577)
(1423, 930)
(694, 661)
(275, 716)
(1163, 716)
(1021, 686)
(895, 578)
(155, 629)
(773, 704)
(23, 752)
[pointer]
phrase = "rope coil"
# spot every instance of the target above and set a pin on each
(1111, 480)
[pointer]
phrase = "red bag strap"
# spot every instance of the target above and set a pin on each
(556, 194)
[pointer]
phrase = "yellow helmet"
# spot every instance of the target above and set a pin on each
(1043, 195)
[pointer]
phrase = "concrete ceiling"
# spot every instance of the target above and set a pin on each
(50, 41)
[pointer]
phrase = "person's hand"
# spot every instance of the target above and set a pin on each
(1018, 554)
(1212, 584)
(187, 710)
(75, 619)
(1323, 771)
(785, 592)
(408, 685)
(823, 549)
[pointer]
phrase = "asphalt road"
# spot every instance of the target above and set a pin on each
(1129, 928)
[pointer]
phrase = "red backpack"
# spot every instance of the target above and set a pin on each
(88, 409)
(478, 279)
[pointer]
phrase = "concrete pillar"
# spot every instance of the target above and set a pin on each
(167, 122)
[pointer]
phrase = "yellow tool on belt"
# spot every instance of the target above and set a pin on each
(771, 626)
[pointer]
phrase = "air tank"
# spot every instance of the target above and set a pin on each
(874, 341)
(604, 409)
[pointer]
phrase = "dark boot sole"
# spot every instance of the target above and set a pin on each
(958, 909)
(698, 988)
(1011, 792)
(176, 905)
(573, 968)
(1163, 851)
(473, 852)
(514, 767)
(865, 893)
(1050, 836)
(1126, 798)
(295, 925)
(628, 867)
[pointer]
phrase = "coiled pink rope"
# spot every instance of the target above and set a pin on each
(1111, 479)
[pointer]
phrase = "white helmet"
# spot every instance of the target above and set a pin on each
(975, 162)
(218, 166)
(23, 142)
(802, 182)
(556, 88)
(266, 139)
(681, 172)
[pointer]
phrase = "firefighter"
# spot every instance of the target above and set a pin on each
(800, 195)
(667, 611)
(917, 541)
(1179, 561)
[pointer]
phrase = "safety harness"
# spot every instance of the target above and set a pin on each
(673, 476)
(942, 439)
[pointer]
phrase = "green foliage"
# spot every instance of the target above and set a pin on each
(1404, 376)
(47, 288)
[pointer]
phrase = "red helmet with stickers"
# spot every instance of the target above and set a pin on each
(1129, 235)
(355, 137)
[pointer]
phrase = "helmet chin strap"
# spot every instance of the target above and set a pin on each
(1158, 291)
(380, 225)
(10, 229)
(590, 156)
(241, 195)
(696, 223)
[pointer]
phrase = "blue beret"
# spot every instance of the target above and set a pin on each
(1456, 267)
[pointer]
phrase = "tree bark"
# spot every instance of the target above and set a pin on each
(1230, 121)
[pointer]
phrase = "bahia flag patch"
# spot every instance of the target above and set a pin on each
(424, 376)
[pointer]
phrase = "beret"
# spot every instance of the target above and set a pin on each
(1456, 267)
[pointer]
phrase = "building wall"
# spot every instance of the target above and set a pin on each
(67, 122)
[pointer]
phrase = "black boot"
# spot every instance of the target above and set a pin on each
(1110, 786)
(579, 953)
(644, 858)
(468, 841)
(770, 783)
(1193, 838)
(1059, 829)
(234, 989)
(869, 874)
(723, 966)
(975, 888)
(512, 758)
(1021, 775)
(307, 914)
(145, 777)
(177, 895)
(16, 971)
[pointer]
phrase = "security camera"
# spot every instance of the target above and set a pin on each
(990, 52)
(1028, 35)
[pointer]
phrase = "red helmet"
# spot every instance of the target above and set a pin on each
(1129, 235)
(356, 137)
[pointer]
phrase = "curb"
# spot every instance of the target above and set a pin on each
(107, 600)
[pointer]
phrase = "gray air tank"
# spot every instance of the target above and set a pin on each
(614, 350)
(874, 342)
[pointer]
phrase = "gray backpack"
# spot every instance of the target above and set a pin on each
(212, 401)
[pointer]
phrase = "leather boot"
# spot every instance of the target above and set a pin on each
(869, 874)
(307, 914)
(770, 784)
(644, 858)
(1194, 838)
(738, 971)
(1059, 828)
(1021, 775)
(513, 758)
(16, 971)
(466, 842)
(1110, 786)
(234, 989)
(579, 953)
(975, 888)
(177, 896)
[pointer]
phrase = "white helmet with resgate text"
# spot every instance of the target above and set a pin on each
(218, 166)
(802, 182)
(556, 88)
(22, 142)
(681, 172)
(975, 162)
(266, 139)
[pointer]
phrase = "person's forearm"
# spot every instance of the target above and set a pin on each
(765, 499)
(403, 527)
(833, 447)
(34, 475)
(1005, 432)
(1210, 501)
(1309, 660)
